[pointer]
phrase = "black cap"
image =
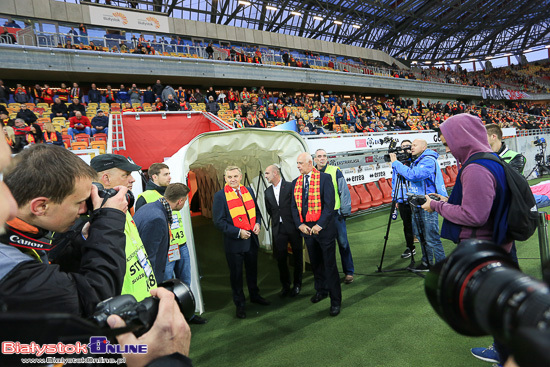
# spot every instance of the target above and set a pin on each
(104, 162)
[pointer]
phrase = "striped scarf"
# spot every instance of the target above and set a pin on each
(51, 138)
(237, 208)
(314, 197)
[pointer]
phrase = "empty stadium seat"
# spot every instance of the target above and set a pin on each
(385, 188)
(82, 138)
(452, 174)
(446, 178)
(79, 145)
(355, 200)
(366, 198)
(101, 145)
(375, 193)
(100, 137)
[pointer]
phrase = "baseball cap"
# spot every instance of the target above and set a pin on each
(107, 161)
(98, 111)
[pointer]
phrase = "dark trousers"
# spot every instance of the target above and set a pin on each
(322, 254)
(280, 252)
(406, 216)
(235, 262)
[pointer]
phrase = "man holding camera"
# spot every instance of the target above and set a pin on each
(424, 177)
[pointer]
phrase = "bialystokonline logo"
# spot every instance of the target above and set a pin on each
(122, 17)
(97, 345)
(155, 21)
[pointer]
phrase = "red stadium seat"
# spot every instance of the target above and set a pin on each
(386, 190)
(452, 174)
(355, 200)
(446, 178)
(375, 193)
(82, 138)
(366, 199)
(100, 137)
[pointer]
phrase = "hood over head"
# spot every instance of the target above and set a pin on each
(465, 135)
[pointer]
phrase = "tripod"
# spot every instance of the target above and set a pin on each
(399, 185)
(541, 168)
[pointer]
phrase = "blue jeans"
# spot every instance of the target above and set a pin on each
(181, 267)
(72, 131)
(104, 131)
(343, 244)
(426, 229)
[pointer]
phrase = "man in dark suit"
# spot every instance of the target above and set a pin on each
(278, 201)
(235, 214)
(313, 211)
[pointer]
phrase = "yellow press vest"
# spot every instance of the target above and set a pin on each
(139, 278)
(178, 234)
(331, 170)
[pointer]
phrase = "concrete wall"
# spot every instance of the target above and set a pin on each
(79, 13)
(39, 63)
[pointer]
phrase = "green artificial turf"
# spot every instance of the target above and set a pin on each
(386, 319)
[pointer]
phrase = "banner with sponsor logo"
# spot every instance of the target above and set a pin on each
(496, 93)
(120, 18)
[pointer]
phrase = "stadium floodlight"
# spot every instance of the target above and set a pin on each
(457, 61)
(427, 62)
(296, 13)
(244, 3)
(318, 18)
(356, 26)
(338, 22)
(269, 7)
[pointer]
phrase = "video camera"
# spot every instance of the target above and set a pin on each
(403, 155)
(478, 290)
(540, 142)
(106, 194)
(419, 200)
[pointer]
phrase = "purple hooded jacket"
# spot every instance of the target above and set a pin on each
(465, 135)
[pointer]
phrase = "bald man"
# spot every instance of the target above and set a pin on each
(424, 177)
(313, 212)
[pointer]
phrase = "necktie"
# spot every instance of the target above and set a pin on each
(305, 197)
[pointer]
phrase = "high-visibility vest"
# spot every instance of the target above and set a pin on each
(139, 278)
(509, 155)
(331, 170)
(176, 227)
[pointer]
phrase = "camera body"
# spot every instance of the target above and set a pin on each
(540, 142)
(140, 316)
(106, 194)
(402, 155)
(419, 200)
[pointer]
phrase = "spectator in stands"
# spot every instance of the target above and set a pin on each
(59, 109)
(127, 107)
(349, 117)
(135, 95)
(94, 95)
(76, 106)
(73, 36)
(69, 44)
(282, 113)
(199, 98)
(210, 51)
(171, 104)
(4, 93)
(9, 135)
(10, 23)
(27, 115)
(184, 105)
(37, 93)
(211, 93)
(23, 133)
(7, 37)
(76, 92)
(95, 47)
(20, 95)
(261, 121)
(122, 95)
(222, 97)
(168, 91)
(149, 96)
(245, 95)
(63, 93)
(100, 123)
(212, 106)
(157, 89)
(51, 136)
(79, 124)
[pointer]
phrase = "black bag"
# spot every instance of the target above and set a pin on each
(523, 212)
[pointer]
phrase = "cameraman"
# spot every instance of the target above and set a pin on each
(424, 177)
(50, 185)
(405, 211)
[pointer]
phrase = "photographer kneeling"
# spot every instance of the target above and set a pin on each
(424, 177)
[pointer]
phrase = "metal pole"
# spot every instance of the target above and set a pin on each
(543, 239)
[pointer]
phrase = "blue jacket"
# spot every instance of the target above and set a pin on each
(402, 194)
(424, 175)
(152, 224)
(100, 121)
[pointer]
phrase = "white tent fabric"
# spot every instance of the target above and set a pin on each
(252, 150)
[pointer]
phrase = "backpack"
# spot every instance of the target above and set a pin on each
(522, 213)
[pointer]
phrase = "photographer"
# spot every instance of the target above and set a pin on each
(50, 185)
(514, 159)
(424, 177)
(468, 212)
(405, 211)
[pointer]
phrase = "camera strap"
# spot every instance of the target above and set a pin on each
(20, 238)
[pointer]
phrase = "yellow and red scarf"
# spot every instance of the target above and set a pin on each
(314, 197)
(237, 208)
(51, 138)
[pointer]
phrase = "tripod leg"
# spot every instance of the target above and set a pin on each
(393, 206)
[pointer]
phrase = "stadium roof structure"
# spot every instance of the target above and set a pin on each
(433, 30)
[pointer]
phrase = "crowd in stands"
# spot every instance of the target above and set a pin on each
(67, 115)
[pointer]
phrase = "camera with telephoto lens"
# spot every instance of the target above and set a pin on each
(140, 316)
(540, 142)
(419, 200)
(479, 290)
(403, 155)
(106, 194)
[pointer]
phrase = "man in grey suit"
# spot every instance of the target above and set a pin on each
(278, 202)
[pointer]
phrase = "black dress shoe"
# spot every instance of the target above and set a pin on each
(196, 319)
(260, 300)
(295, 291)
(318, 297)
(334, 310)
(284, 292)
(241, 313)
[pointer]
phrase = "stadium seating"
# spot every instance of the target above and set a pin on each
(365, 196)
(376, 194)
(385, 188)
